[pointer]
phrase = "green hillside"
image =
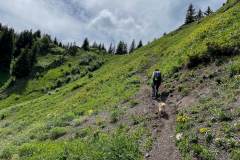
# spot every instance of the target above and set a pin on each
(78, 107)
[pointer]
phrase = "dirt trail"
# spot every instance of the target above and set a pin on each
(163, 128)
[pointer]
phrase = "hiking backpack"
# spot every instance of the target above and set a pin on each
(157, 76)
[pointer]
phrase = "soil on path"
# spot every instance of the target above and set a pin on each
(163, 127)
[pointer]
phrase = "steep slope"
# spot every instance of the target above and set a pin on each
(96, 116)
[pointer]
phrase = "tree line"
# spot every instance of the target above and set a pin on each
(18, 51)
(122, 47)
(193, 16)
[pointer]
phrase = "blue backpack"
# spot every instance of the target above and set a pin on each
(157, 76)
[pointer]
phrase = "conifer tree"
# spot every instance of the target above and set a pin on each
(111, 49)
(140, 44)
(103, 48)
(85, 45)
(120, 48)
(55, 41)
(132, 47)
(199, 15)
(190, 17)
(6, 48)
(208, 11)
(125, 48)
(22, 66)
(94, 45)
(100, 47)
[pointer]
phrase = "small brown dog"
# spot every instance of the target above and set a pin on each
(161, 108)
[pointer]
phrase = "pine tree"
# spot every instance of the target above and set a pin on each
(103, 49)
(140, 44)
(125, 48)
(120, 48)
(6, 48)
(111, 49)
(25, 39)
(22, 66)
(208, 11)
(199, 15)
(100, 47)
(132, 47)
(85, 45)
(37, 34)
(55, 41)
(94, 45)
(190, 17)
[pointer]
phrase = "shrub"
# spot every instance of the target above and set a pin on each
(202, 153)
(6, 153)
(81, 133)
(27, 150)
(184, 146)
(136, 119)
(193, 138)
(79, 121)
(114, 116)
(235, 154)
(209, 137)
(235, 69)
(120, 146)
(57, 132)
(224, 116)
(58, 84)
(2, 116)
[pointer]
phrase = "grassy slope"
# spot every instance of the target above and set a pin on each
(33, 120)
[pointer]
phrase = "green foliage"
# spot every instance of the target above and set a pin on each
(235, 68)
(122, 48)
(190, 17)
(85, 45)
(235, 155)
(114, 117)
(6, 48)
(202, 152)
(6, 153)
(3, 77)
(57, 132)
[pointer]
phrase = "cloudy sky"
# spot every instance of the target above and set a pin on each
(101, 20)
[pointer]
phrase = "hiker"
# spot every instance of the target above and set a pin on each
(156, 82)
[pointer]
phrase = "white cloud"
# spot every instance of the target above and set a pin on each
(100, 20)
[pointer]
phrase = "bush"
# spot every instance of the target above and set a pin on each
(6, 153)
(209, 137)
(193, 138)
(114, 116)
(214, 52)
(120, 146)
(57, 132)
(27, 150)
(235, 69)
(202, 153)
(81, 133)
(223, 116)
(2, 116)
(235, 154)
